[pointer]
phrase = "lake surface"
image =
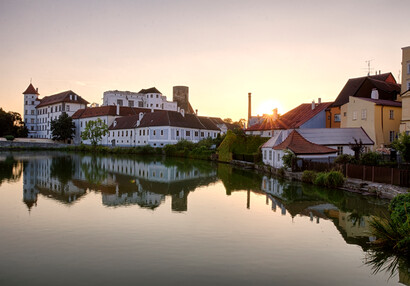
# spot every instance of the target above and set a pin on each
(75, 219)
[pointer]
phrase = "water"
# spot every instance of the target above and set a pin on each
(76, 219)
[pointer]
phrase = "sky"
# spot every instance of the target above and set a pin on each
(284, 52)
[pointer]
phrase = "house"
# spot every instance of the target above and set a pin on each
(339, 139)
(405, 91)
(304, 116)
(385, 83)
(298, 145)
(160, 128)
(107, 114)
(38, 113)
(380, 118)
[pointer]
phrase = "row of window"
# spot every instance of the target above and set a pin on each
(40, 111)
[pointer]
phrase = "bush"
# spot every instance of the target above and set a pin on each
(9, 137)
(281, 172)
(309, 176)
(344, 159)
(370, 158)
(320, 179)
(334, 179)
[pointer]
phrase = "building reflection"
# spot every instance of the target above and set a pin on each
(121, 181)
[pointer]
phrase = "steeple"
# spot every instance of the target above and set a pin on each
(31, 90)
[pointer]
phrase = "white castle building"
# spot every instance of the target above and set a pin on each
(38, 113)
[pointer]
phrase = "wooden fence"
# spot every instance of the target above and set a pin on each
(386, 175)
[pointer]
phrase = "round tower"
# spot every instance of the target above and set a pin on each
(181, 96)
(30, 113)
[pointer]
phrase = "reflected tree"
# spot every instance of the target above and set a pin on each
(93, 172)
(9, 170)
(62, 168)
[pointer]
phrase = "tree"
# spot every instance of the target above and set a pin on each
(11, 123)
(228, 120)
(357, 148)
(402, 144)
(62, 128)
(94, 131)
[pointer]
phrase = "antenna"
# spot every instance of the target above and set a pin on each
(368, 66)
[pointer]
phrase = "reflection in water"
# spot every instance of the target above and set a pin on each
(67, 178)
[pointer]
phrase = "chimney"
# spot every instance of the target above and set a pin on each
(374, 94)
(275, 114)
(319, 100)
(182, 112)
(196, 112)
(249, 107)
(380, 72)
(118, 110)
(313, 104)
(37, 89)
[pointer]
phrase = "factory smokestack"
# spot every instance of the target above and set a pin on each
(249, 107)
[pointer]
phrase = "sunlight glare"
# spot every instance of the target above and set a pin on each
(267, 107)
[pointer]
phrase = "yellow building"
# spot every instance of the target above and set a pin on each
(378, 117)
(405, 93)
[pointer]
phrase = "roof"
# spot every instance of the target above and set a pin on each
(383, 102)
(274, 141)
(61, 97)
(174, 118)
(208, 123)
(126, 122)
(300, 146)
(149, 90)
(30, 90)
(353, 85)
(292, 119)
(108, 110)
(335, 136)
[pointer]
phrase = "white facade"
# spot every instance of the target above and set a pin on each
(30, 113)
(142, 100)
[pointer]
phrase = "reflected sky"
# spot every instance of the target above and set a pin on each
(118, 220)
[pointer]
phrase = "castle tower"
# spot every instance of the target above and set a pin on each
(30, 113)
(181, 96)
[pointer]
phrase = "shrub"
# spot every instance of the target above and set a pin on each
(320, 179)
(334, 179)
(9, 137)
(289, 159)
(344, 159)
(370, 158)
(281, 172)
(309, 176)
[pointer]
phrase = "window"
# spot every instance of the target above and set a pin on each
(337, 118)
(264, 155)
(354, 115)
(68, 107)
(131, 103)
(391, 136)
(32, 120)
(143, 132)
(270, 154)
(391, 114)
(119, 102)
(81, 124)
(188, 133)
(162, 132)
(196, 133)
(157, 95)
(140, 132)
(339, 150)
(153, 133)
(131, 134)
(177, 132)
(278, 157)
(408, 67)
(344, 114)
(126, 133)
(202, 134)
(32, 112)
(364, 114)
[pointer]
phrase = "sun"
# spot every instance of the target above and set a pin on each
(267, 107)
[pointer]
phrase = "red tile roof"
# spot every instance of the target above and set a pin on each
(126, 122)
(300, 146)
(353, 85)
(384, 102)
(30, 90)
(110, 110)
(292, 119)
(61, 97)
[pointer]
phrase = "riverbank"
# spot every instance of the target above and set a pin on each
(365, 188)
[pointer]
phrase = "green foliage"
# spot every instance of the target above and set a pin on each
(400, 213)
(402, 144)
(9, 137)
(357, 148)
(289, 159)
(370, 159)
(11, 123)
(94, 131)
(309, 176)
(320, 179)
(334, 179)
(225, 148)
(281, 172)
(62, 128)
(344, 159)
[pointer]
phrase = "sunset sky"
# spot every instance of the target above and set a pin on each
(284, 52)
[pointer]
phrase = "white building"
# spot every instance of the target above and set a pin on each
(38, 113)
(161, 128)
(145, 98)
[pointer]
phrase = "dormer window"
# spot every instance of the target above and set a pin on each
(115, 123)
